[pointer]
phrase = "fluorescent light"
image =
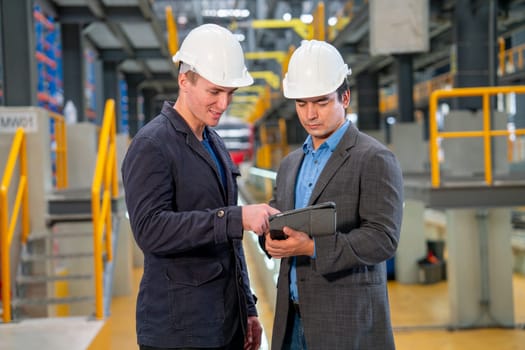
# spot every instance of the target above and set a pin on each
(182, 19)
(239, 36)
(307, 18)
(224, 13)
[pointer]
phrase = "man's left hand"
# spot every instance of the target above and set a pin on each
(252, 341)
(297, 243)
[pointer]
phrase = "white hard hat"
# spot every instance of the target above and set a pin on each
(316, 68)
(215, 54)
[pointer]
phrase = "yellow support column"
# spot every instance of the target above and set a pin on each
(173, 38)
(319, 22)
(263, 154)
(283, 137)
(62, 291)
(286, 61)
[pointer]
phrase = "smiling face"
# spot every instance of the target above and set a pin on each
(201, 103)
(322, 115)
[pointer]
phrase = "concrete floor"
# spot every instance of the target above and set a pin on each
(68, 333)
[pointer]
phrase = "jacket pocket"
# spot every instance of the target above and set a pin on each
(196, 294)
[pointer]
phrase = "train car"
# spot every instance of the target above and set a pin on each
(238, 137)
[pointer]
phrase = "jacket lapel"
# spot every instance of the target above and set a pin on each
(340, 155)
(296, 158)
(181, 126)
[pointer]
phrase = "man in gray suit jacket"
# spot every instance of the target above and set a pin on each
(332, 290)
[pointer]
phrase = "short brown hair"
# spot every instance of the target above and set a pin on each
(192, 76)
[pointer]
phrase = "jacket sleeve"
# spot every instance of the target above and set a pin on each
(159, 224)
(251, 300)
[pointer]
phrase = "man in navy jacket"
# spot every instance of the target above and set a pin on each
(181, 196)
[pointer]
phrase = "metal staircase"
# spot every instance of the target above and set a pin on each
(63, 249)
(55, 270)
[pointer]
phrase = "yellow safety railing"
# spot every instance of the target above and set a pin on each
(262, 104)
(273, 147)
(8, 224)
(422, 91)
(61, 150)
(486, 133)
(387, 103)
(105, 182)
(510, 60)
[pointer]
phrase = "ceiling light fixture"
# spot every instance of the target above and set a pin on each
(225, 13)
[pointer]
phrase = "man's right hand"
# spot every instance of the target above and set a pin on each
(255, 217)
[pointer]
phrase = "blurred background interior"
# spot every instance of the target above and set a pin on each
(440, 82)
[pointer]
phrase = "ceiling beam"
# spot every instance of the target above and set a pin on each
(147, 13)
(97, 12)
(119, 55)
(97, 8)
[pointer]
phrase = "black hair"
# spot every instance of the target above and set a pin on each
(342, 89)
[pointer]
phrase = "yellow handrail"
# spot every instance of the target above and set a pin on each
(501, 56)
(61, 150)
(7, 225)
(508, 61)
(422, 91)
(486, 133)
(105, 182)
(508, 58)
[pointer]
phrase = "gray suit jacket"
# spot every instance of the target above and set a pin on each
(343, 291)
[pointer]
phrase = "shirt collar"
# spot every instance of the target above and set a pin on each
(331, 142)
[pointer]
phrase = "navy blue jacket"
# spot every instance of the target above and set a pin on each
(195, 289)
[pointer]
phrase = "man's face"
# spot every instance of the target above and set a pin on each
(322, 115)
(205, 101)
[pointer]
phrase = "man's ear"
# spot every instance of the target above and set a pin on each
(346, 98)
(182, 80)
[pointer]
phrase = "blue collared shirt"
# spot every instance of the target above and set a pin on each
(312, 166)
(207, 145)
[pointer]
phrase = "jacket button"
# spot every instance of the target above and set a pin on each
(220, 213)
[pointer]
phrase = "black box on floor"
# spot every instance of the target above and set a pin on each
(431, 273)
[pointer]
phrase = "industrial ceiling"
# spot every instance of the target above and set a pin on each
(134, 32)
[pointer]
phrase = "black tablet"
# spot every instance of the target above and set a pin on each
(316, 220)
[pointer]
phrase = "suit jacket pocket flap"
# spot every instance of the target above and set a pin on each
(194, 274)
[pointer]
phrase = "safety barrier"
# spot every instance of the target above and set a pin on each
(104, 181)
(510, 60)
(8, 224)
(486, 133)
